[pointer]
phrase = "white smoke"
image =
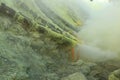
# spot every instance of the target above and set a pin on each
(101, 34)
(100, 31)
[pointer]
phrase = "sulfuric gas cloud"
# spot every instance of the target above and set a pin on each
(101, 29)
(101, 33)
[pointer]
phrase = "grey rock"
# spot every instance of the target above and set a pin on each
(75, 76)
(115, 75)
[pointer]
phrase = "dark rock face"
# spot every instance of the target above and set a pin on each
(27, 57)
(58, 33)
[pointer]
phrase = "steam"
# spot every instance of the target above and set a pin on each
(101, 34)
(78, 7)
(101, 30)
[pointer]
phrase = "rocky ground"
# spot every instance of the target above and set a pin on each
(32, 56)
(28, 55)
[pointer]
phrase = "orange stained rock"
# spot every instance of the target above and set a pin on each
(73, 54)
